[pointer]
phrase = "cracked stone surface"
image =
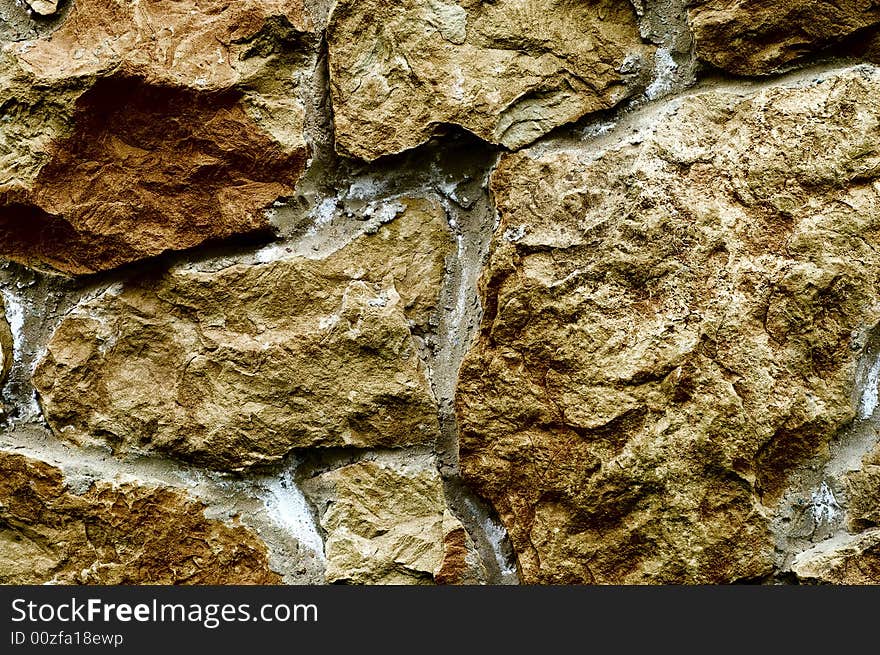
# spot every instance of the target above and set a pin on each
(508, 71)
(387, 522)
(238, 366)
(134, 129)
(439, 292)
(672, 322)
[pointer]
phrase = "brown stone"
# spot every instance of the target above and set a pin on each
(507, 71)
(844, 560)
(115, 534)
(43, 7)
(121, 189)
(863, 493)
(6, 346)
(757, 37)
(238, 366)
(386, 522)
(194, 43)
(673, 319)
(461, 563)
(140, 128)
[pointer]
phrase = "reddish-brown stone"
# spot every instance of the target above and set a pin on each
(137, 128)
(145, 170)
(126, 534)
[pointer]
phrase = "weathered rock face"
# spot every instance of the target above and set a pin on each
(848, 560)
(386, 522)
(238, 366)
(672, 323)
(674, 366)
(43, 7)
(507, 71)
(134, 129)
(461, 564)
(110, 534)
(863, 493)
(6, 346)
(117, 191)
(189, 43)
(756, 37)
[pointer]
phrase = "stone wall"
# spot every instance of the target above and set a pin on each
(429, 292)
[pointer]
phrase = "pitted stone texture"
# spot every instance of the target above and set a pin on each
(758, 37)
(845, 560)
(508, 71)
(115, 534)
(236, 367)
(672, 322)
(137, 128)
(386, 522)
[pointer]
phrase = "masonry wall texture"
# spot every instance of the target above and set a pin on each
(439, 292)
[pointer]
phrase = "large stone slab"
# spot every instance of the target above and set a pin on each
(115, 534)
(757, 37)
(136, 128)
(673, 320)
(508, 71)
(238, 366)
